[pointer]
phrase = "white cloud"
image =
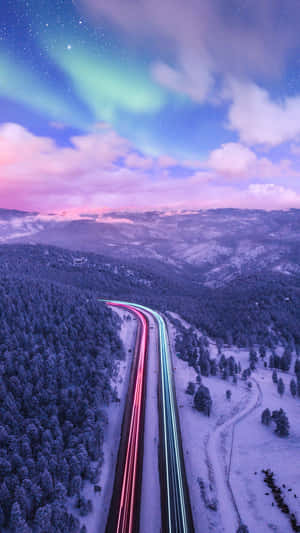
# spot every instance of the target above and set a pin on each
(258, 119)
(232, 159)
(277, 195)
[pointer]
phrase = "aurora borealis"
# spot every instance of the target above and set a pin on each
(149, 104)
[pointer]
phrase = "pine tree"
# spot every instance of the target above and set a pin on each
(73, 523)
(274, 376)
(242, 529)
(190, 388)
(225, 373)
(231, 364)
(2, 518)
(202, 400)
(16, 519)
(42, 519)
(213, 367)
(205, 367)
(47, 483)
(228, 394)
(282, 423)
(253, 356)
(252, 359)
(297, 367)
(75, 485)
(293, 387)
(262, 351)
(246, 374)
(285, 361)
(5, 498)
(283, 426)
(280, 386)
(266, 417)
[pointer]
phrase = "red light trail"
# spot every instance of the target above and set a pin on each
(126, 511)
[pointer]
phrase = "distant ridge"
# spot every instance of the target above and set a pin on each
(214, 246)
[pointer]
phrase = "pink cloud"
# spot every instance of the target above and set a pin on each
(36, 174)
(277, 195)
(134, 160)
(165, 161)
(18, 144)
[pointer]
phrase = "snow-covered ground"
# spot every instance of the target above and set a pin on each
(96, 521)
(255, 448)
(223, 452)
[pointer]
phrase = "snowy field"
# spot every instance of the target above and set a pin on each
(223, 451)
(256, 448)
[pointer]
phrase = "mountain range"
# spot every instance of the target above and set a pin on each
(213, 246)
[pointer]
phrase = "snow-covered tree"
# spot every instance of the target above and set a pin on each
(293, 387)
(282, 423)
(280, 386)
(266, 417)
(228, 394)
(190, 388)
(202, 400)
(242, 529)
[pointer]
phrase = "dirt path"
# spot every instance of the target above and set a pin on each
(219, 467)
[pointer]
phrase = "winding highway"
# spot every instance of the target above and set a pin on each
(175, 504)
(124, 512)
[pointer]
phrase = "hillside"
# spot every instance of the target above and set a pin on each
(58, 350)
(262, 308)
(215, 246)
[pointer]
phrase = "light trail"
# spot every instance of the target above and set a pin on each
(125, 522)
(179, 519)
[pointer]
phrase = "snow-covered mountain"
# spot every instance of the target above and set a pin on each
(214, 245)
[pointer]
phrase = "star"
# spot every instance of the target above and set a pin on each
(69, 47)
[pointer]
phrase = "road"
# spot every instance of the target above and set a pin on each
(176, 510)
(125, 505)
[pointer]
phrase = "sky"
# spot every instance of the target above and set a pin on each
(144, 104)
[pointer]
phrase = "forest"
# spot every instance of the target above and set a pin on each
(258, 308)
(58, 348)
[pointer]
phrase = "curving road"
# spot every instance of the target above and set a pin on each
(124, 511)
(176, 510)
